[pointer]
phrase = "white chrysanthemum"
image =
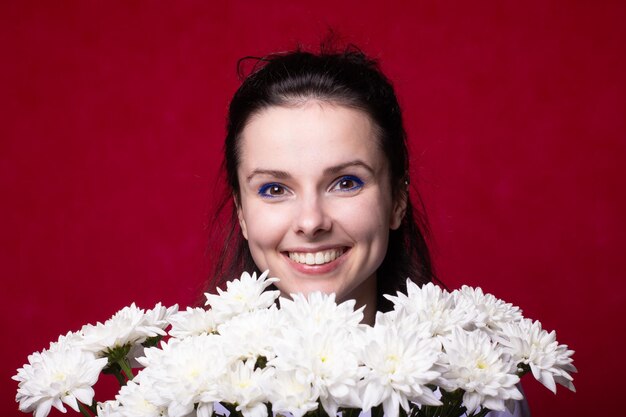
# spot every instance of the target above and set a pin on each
(109, 409)
(131, 325)
(429, 304)
(318, 342)
(193, 322)
(485, 311)
(133, 401)
(328, 361)
(252, 335)
(157, 319)
(68, 340)
(52, 378)
(184, 374)
(529, 344)
(399, 363)
(291, 394)
(320, 311)
(242, 295)
(475, 365)
(246, 388)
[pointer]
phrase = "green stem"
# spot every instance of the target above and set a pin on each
(377, 411)
(482, 413)
(452, 404)
(123, 363)
(349, 412)
(320, 410)
(430, 411)
(118, 375)
(83, 409)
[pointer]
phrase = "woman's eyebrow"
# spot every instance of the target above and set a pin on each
(282, 175)
(338, 168)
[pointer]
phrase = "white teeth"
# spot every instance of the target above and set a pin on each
(315, 258)
(319, 258)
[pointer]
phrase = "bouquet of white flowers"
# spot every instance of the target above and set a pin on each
(437, 353)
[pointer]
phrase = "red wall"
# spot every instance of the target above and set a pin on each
(112, 120)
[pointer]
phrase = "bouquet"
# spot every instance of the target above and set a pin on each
(254, 354)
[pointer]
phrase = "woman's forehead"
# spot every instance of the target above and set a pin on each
(316, 133)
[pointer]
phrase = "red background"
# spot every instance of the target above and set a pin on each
(112, 121)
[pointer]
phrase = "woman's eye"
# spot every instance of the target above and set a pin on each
(272, 190)
(348, 183)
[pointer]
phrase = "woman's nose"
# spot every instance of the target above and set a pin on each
(311, 219)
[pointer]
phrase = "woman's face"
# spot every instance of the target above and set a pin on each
(316, 200)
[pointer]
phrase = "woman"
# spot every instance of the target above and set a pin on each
(317, 164)
(349, 89)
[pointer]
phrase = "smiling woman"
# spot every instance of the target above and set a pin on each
(317, 165)
(305, 173)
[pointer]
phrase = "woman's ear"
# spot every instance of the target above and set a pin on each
(398, 210)
(242, 221)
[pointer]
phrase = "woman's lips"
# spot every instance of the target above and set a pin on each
(316, 262)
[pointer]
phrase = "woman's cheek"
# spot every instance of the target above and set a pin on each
(363, 216)
(267, 224)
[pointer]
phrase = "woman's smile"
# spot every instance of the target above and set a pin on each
(320, 257)
(315, 262)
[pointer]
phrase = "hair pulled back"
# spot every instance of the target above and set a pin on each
(347, 78)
